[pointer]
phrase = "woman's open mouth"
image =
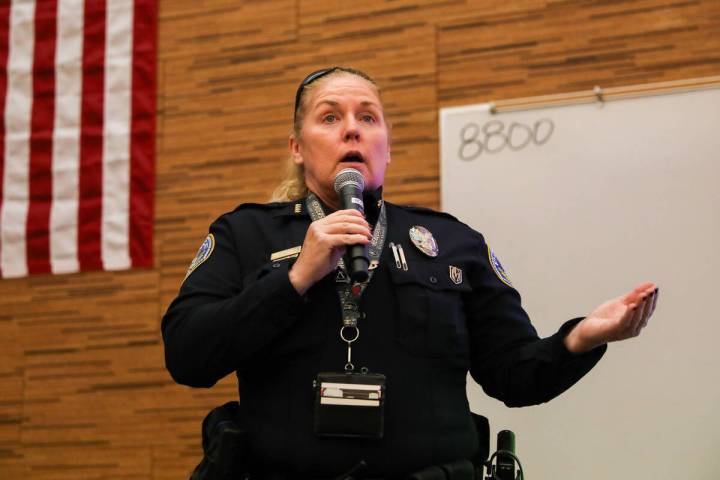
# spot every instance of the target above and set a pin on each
(352, 157)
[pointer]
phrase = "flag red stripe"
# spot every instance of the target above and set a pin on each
(43, 114)
(142, 136)
(91, 137)
(4, 41)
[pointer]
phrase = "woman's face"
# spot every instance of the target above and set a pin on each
(343, 127)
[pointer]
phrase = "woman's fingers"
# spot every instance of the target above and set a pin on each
(644, 310)
(347, 228)
(651, 301)
(351, 239)
(638, 292)
(340, 222)
(344, 216)
(635, 317)
(340, 225)
(324, 243)
(638, 317)
(655, 299)
(344, 227)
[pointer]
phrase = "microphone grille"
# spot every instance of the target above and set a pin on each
(349, 176)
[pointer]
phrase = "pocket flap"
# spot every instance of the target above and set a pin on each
(435, 276)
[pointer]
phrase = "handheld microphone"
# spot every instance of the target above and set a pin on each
(349, 185)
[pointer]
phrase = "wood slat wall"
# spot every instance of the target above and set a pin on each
(84, 393)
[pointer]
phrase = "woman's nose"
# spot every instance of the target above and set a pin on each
(351, 130)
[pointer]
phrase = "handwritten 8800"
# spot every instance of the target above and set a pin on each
(493, 137)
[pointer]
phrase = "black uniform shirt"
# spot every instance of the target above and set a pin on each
(237, 311)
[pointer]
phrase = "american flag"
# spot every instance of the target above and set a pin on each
(77, 135)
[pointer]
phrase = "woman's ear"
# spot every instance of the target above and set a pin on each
(294, 147)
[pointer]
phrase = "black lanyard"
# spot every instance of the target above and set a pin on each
(348, 292)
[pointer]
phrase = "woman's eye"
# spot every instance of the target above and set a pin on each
(329, 118)
(367, 118)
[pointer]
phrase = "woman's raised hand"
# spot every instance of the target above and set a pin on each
(617, 319)
(325, 243)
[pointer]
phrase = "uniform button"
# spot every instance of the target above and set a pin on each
(276, 265)
(433, 280)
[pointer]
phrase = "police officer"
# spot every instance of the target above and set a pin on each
(269, 297)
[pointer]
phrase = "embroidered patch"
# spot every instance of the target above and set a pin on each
(203, 253)
(498, 268)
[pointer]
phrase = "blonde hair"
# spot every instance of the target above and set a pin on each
(293, 187)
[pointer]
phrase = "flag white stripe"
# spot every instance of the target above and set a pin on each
(66, 137)
(115, 237)
(18, 109)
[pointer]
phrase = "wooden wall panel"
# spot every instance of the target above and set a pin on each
(84, 392)
(570, 46)
(84, 341)
(12, 362)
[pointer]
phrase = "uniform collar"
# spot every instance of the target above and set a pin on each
(371, 199)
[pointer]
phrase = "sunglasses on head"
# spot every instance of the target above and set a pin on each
(307, 81)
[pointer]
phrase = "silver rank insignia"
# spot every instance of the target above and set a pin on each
(455, 274)
(424, 241)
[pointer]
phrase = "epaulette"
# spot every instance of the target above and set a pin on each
(429, 211)
(263, 206)
(294, 208)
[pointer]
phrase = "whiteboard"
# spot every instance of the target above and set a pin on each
(581, 203)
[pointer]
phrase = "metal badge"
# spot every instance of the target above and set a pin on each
(424, 241)
(455, 275)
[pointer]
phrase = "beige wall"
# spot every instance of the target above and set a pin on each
(83, 390)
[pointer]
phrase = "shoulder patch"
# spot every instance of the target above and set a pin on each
(498, 268)
(203, 253)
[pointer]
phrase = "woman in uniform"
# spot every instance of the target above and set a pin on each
(268, 296)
